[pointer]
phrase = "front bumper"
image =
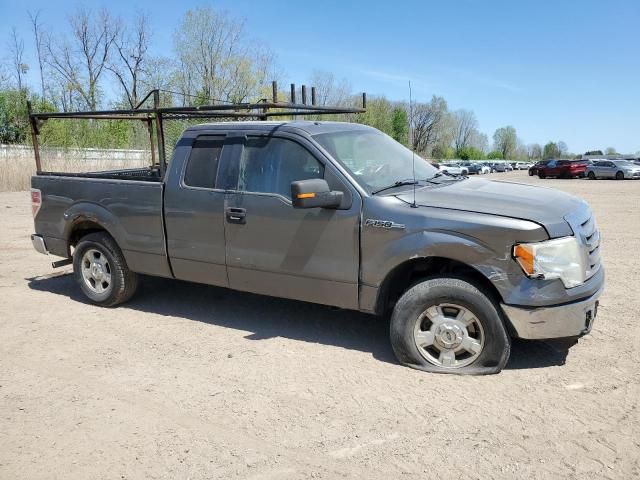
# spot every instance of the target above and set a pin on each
(38, 244)
(558, 321)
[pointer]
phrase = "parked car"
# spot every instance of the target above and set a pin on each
(522, 166)
(500, 167)
(329, 213)
(563, 169)
(454, 169)
(474, 168)
(618, 169)
(485, 168)
(533, 169)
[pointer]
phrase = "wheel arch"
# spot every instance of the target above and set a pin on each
(408, 273)
(85, 218)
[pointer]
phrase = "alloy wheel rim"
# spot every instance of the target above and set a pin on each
(449, 335)
(96, 271)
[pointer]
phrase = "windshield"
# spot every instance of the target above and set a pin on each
(374, 159)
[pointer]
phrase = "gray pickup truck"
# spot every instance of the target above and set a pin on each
(337, 214)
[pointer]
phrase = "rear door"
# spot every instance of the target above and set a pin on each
(194, 209)
(609, 169)
(274, 249)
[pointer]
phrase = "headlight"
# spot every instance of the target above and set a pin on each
(561, 258)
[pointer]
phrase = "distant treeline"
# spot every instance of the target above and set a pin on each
(213, 60)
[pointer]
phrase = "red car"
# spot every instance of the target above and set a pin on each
(563, 169)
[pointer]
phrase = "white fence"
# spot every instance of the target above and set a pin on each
(18, 152)
(17, 163)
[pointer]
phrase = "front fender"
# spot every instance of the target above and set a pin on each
(496, 266)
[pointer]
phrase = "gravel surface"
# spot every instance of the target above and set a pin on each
(189, 381)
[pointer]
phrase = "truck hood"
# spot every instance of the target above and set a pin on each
(545, 206)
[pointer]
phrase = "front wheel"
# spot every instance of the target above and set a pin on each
(447, 325)
(620, 176)
(101, 270)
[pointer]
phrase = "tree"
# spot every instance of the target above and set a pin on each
(610, 151)
(81, 61)
(214, 60)
(480, 142)
(329, 90)
(428, 124)
(505, 141)
(465, 127)
(16, 49)
(469, 153)
(400, 125)
(594, 152)
(378, 115)
(562, 148)
(550, 151)
(39, 43)
(495, 155)
(534, 151)
(129, 62)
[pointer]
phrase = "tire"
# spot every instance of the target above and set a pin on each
(481, 347)
(530, 173)
(591, 176)
(541, 175)
(101, 270)
(619, 175)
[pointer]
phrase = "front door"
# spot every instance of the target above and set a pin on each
(274, 249)
(194, 212)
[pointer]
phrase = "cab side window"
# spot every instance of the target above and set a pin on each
(202, 165)
(270, 164)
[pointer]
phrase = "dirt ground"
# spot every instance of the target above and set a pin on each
(194, 382)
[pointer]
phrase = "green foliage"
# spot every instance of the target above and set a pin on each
(470, 153)
(378, 115)
(13, 116)
(550, 150)
(610, 151)
(495, 155)
(442, 152)
(400, 125)
(505, 140)
(14, 119)
(594, 152)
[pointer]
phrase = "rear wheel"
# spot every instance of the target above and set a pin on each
(101, 270)
(591, 175)
(447, 325)
(620, 176)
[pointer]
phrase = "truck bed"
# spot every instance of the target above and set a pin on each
(125, 203)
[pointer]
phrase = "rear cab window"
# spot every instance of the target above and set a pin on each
(202, 165)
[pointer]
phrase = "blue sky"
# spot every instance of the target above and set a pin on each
(555, 70)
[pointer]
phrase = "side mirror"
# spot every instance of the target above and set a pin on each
(314, 193)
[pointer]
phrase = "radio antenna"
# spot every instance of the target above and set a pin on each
(413, 151)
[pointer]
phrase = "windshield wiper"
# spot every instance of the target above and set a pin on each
(399, 183)
(444, 174)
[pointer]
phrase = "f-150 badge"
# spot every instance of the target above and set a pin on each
(369, 222)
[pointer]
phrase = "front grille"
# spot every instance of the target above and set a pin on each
(584, 227)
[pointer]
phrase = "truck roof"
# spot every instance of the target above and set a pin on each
(308, 126)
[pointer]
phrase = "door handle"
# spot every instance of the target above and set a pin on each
(236, 215)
